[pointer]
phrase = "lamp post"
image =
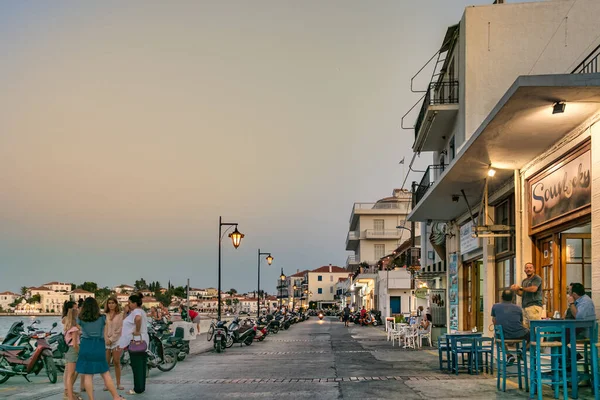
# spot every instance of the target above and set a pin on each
(281, 280)
(236, 238)
(269, 261)
(294, 296)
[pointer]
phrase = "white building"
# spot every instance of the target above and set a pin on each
(58, 286)
(80, 294)
(321, 283)
(52, 302)
(372, 232)
(33, 291)
(123, 289)
(7, 298)
(198, 293)
(493, 107)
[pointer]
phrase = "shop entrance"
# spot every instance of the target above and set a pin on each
(473, 290)
(561, 259)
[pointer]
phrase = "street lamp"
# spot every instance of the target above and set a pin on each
(269, 261)
(282, 279)
(236, 238)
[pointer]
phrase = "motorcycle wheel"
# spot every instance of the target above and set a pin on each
(181, 356)
(50, 369)
(229, 342)
(248, 341)
(169, 360)
(218, 346)
(3, 375)
(275, 330)
(210, 333)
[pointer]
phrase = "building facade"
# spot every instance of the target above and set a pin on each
(321, 283)
(512, 128)
(58, 286)
(6, 299)
(78, 294)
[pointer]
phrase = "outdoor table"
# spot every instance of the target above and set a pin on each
(572, 325)
(451, 337)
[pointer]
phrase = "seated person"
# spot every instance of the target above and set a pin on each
(510, 317)
(582, 307)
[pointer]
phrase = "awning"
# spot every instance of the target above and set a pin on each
(519, 128)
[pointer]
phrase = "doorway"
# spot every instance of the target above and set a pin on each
(473, 290)
(395, 304)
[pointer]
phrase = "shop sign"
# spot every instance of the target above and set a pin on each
(453, 295)
(561, 190)
(467, 241)
(421, 293)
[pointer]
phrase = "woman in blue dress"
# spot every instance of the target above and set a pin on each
(92, 357)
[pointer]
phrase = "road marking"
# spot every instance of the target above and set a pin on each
(264, 353)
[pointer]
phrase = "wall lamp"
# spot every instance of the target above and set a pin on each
(559, 107)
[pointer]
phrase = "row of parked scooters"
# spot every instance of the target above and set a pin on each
(29, 350)
(248, 330)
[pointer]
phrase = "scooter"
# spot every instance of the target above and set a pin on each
(159, 356)
(241, 332)
(220, 337)
(16, 335)
(59, 348)
(19, 360)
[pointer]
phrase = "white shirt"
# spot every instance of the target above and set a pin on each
(129, 328)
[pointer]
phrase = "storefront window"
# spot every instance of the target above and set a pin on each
(503, 214)
(505, 275)
(578, 258)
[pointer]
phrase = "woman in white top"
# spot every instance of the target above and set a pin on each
(135, 326)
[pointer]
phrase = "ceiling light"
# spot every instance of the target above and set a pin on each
(491, 172)
(559, 107)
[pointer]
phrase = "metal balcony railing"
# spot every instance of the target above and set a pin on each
(353, 235)
(438, 93)
(590, 64)
(382, 233)
(351, 260)
(427, 180)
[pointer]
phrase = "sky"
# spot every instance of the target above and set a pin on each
(128, 128)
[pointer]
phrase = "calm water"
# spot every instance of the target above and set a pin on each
(45, 323)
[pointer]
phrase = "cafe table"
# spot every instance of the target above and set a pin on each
(451, 339)
(571, 325)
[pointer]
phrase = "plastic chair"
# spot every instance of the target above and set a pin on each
(426, 334)
(463, 346)
(389, 327)
(501, 359)
(555, 370)
(411, 337)
(484, 351)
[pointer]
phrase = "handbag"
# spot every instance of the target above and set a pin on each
(137, 346)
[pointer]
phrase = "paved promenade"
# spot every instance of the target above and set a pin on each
(319, 360)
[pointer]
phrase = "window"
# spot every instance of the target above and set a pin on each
(379, 250)
(330, 278)
(505, 275)
(320, 278)
(379, 225)
(503, 215)
(320, 291)
(330, 289)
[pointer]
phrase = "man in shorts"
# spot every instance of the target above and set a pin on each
(531, 293)
(346, 314)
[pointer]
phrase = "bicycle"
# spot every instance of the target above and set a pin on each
(211, 330)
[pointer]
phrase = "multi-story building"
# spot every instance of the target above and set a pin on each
(373, 231)
(32, 291)
(52, 302)
(58, 286)
(124, 289)
(7, 298)
(80, 294)
(321, 283)
(510, 124)
(211, 292)
(199, 293)
(295, 289)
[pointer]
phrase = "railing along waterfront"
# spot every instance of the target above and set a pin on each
(438, 93)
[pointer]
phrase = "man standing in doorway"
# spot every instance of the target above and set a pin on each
(531, 292)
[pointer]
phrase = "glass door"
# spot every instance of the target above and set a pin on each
(576, 256)
(474, 290)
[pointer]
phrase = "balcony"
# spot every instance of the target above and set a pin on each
(436, 117)
(352, 240)
(427, 180)
(352, 260)
(590, 64)
(383, 234)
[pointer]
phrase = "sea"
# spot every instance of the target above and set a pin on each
(45, 323)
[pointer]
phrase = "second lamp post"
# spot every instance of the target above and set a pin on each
(269, 261)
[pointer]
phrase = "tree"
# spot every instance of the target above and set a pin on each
(102, 295)
(236, 302)
(36, 298)
(141, 284)
(89, 287)
(164, 299)
(73, 286)
(232, 291)
(155, 287)
(16, 302)
(24, 290)
(179, 291)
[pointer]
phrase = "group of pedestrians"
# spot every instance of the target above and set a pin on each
(97, 339)
(515, 320)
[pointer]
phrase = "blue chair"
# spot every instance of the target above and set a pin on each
(501, 359)
(555, 369)
(443, 347)
(464, 346)
(484, 354)
(594, 355)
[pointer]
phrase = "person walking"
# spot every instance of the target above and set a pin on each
(92, 357)
(346, 314)
(530, 291)
(135, 328)
(71, 334)
(114, 325)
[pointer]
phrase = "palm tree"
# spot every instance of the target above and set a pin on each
(235, 303)
(24, 290)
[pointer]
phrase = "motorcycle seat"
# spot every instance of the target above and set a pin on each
(174, 339)
(6, 347)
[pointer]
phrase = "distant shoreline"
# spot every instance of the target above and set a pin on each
(30, 315)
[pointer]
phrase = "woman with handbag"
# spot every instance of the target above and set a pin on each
(134, 337)
(92, 358)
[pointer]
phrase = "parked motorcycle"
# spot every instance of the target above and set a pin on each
(20, 360)
(171, 340)
(59, 348)
(159, 356)
(220, 336)
(241, 332)
(16, 335)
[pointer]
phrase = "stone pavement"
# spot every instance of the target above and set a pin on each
(318, 359)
